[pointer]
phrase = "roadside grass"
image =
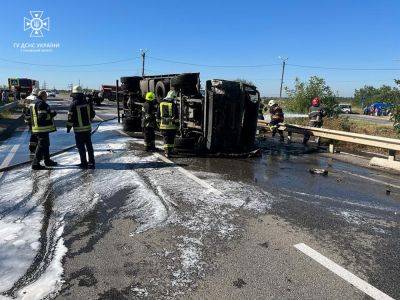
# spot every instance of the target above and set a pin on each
(355, 126)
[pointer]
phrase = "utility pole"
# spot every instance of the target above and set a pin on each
(284, 59)
(143, 54)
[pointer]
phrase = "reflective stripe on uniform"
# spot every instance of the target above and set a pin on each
(81, 127)
(35, 125)
(166, 116)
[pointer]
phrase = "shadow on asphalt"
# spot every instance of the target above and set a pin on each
(119, 166)
(131, 166)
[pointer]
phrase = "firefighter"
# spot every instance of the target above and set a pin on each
(149, 111)
(168, 118)
(80, 116)
(315, 114)
(27, 102)
(4, 96)
(277, 117)
(42, 124)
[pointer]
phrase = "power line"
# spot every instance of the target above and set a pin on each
(212, 66)
(344, 68)
(200, 65)
(68, 66)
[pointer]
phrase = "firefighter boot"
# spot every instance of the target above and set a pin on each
(50, 163)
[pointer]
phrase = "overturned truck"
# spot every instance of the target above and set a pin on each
(222, 118)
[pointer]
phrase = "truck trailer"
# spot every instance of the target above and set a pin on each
(220, 118)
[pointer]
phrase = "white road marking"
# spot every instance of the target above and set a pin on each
(188, 174)
(100, 118)
(343, 273)
(210, 188)
(13, 151)
(9, 156)
(372, 179)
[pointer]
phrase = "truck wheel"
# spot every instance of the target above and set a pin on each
(160, 90)
(185, 80)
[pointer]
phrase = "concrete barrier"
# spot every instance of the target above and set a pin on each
(385, 163)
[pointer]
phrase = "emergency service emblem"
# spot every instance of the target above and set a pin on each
(36, 24)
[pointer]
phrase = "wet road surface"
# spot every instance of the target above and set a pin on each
(141, 227)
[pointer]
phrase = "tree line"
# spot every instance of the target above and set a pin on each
(300, 96)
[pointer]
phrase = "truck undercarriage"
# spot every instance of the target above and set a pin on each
(221, 119)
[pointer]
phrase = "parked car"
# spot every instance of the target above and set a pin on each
(378, 109)
(51, 94)
(345, 108)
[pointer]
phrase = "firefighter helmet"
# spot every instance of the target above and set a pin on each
(171, 95)
(150, 96)
(77, 89)
(316, 101)
(42, 94)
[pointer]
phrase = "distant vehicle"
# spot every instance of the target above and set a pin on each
(51, 94)
(108, 92)
(22, 87)
(345, 108)
(378, 109)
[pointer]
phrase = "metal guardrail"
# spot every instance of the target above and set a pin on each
(349, 137)
(8, 106)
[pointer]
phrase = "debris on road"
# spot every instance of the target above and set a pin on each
(239, 283)
(319, 171)
(264, 245)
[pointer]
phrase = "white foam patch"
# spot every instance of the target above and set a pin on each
(150, 191)
(73, 193)
(208, 215)
(50, 281)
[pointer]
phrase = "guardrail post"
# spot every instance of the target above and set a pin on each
(331, 148)
(392, 155)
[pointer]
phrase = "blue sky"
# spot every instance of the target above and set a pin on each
(348, 34)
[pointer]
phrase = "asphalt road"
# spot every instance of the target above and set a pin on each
(385, 121)
(140, 226)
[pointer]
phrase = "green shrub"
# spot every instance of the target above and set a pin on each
(300, 97)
